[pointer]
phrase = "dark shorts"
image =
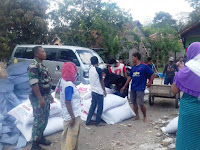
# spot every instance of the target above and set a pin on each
(137, 97)
(168, 81)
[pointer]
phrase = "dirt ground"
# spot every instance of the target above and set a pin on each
(127, 135)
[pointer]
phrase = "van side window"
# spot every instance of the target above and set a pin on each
(19, 51)
(68, 55)
(28, 53)
(51, 53)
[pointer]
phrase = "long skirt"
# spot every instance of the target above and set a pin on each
(188, 132)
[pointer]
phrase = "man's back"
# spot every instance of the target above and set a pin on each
(95, 75)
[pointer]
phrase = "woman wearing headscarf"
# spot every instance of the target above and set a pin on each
(188, 132)
(70, 103)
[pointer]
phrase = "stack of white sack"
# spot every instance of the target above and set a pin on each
(171, 127)
(115, 108)
(24, 118)
(17, 74)
(85, 91)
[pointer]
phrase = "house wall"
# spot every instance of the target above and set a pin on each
(191, 36)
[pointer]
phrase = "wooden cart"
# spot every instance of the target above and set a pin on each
(162, 91)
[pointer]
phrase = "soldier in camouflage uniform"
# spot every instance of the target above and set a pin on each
(40, 98)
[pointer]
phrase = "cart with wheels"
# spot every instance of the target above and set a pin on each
(163, 91)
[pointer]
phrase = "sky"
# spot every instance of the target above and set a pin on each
(144, 10)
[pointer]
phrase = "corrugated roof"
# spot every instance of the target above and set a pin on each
(189, 28)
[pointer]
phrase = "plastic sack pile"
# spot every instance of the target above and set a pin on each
(116, 109)
(10, 97)
(16, 117)
(17, 74)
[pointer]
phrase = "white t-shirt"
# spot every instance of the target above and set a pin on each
(119, 70)
(75, 99)
(95, 75)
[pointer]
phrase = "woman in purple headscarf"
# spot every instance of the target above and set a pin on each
(188, 133)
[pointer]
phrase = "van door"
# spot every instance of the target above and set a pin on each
(67, 55)
(51, 63)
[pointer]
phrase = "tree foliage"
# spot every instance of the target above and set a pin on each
(195, 14)
(22, 22)
(91, 23)
(194, 3)
(163, 38)
(164, 20)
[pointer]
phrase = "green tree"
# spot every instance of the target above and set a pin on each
(22, 22)
(91, 23)
(163, 38)
(194, 3)
(195, 14)
(164, 20)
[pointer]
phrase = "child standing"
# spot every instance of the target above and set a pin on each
(70, 103)
(98, 91)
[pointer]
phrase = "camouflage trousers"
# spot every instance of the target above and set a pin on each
(40, 115)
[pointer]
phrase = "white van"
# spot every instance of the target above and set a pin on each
(56, 56)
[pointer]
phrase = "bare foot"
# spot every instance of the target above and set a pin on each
(136, 118)
(145, 120)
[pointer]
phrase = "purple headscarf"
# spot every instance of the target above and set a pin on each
(186, 80)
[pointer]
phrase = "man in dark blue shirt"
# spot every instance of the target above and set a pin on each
(139, 74)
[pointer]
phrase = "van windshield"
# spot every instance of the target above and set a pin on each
(85, 56)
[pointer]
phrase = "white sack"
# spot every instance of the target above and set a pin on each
(110, 101)
(171, 127)
(89, 94)
(85, 112)
(24, 112)
(146, 91)
(110, 91)
(83, 89)
(194, 65)
(54, 125)
(118, 114)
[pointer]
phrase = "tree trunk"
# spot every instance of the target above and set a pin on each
(157, 60)
(175, 56)
(164, 63)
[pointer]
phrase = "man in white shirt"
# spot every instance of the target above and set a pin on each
(98, 91)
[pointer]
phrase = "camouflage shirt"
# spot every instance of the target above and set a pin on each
(38, 74)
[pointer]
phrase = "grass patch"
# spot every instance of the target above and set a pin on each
(160, 69)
